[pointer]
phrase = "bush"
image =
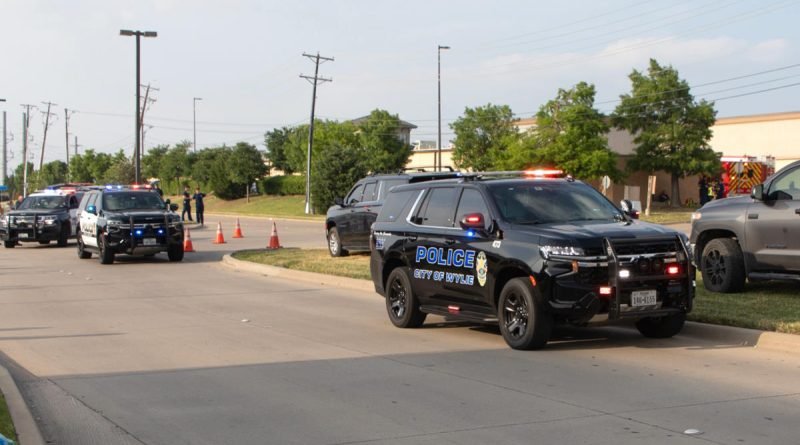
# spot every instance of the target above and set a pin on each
(283, 185)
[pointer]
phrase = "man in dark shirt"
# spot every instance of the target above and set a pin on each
(198, 205)
(187, 204)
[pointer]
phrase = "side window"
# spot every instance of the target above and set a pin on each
(397, 205)
(787, 186)
(85, 201)
(471, 202)
(369, 192)
(438, 208)
(355, 195)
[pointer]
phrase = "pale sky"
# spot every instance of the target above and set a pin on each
(244, 58)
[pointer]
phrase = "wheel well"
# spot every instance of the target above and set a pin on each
(328, 225)
(502, 278)
(390, 265)
(706, 237)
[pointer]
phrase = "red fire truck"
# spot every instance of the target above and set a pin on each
(741, 173)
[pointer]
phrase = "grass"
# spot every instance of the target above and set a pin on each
(668, 215)
(292, 206)
(768, 306)
(6, 427)
(311, 260)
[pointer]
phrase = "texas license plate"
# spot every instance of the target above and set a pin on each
(23, 235)
(149, 241)
(643, 298)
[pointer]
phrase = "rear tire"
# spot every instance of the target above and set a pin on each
(335, 243)
(722, 266)
(661, 327)
(175, 252)
(63, 237)
(401, 303)
(106, 254)
(524, 324)
(82, 252)
(9, 244)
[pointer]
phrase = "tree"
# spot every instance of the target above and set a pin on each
(54, 172)
(151, 161)
(334, 171)
(175, 164)
(277, 142)
(482, 136)
(570, 134)
(670, 128)
(89, 166)
(245, 165)
(379, 137)
(121, 170)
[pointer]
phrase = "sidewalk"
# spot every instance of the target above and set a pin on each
(27, 430)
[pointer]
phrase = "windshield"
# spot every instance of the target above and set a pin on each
(132, 201)
(43, 202)
(552, 202)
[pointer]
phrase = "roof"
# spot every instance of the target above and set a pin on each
(403, 124)
(753, 118)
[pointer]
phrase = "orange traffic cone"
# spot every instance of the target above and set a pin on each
(220, 239)
(237, 232)
(187, 241)
(273, 238)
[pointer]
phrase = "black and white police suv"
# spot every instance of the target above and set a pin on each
(45, 216)
(526, 251)
(119, 220)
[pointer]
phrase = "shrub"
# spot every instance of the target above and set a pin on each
(283, 185)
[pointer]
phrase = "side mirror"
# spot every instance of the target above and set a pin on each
(338, 201)
(627, 208)
(473, 221)
(173, 207)
(91, 209)
(758, 192)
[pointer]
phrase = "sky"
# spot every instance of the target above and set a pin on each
(244, 59)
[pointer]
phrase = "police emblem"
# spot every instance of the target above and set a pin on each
(481, 266)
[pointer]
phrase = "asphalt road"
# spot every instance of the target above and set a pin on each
(151, 352)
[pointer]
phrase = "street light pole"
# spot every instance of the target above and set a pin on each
(194, 120)
(439, 83)
(5, 147)
(138, 148)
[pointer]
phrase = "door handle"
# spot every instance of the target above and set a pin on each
(412, 237)
(449, 241)
(752, 216)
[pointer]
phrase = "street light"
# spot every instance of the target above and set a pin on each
(137, 150)
(439, 81)
(4, 178)
(194, 119)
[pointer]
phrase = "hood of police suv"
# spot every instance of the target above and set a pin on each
(589, 233)
(142, 216)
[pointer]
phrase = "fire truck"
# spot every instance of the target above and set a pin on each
(741, 173)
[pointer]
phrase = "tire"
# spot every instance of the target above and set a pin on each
(401, 303)
(63, 237)
(335, 243)
(82, 252)
(722, 266)
(9, 244)
(524, 323)
(175, 252)
(661, 327)
(106, 254)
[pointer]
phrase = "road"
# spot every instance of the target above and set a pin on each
(151, 352)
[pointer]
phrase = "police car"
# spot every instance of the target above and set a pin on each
(526, 250)
(43, 216)
(128, 220)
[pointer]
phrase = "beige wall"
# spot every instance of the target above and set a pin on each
(775, 135)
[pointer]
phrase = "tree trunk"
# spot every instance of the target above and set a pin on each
(676, 191)
(247, 192)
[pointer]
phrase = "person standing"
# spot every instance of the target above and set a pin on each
(199, 207)
(187, 204)
(19, 201)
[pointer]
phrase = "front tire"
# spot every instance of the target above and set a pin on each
(82, 252)
(722, 266)
(9, 244)
(175, 252)
(106, 254)
(335, 243)
(524, 324)
(63, 237)
(661, 327)
(401, 303)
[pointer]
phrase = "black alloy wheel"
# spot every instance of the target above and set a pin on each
(401, 303)
(524, 324)
(722, 266)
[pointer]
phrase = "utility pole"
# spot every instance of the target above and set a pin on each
(194, 122)
(76, 145)
(313, 80)
(26, 121)
(67, 113)
(44, 138)
(5, 147)
(145, 106)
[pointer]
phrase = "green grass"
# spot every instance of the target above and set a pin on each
(6, 427)
(768, 306)
(311, 260)
(292, 206)
(668, 215)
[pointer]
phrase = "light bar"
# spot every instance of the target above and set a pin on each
(544, 173)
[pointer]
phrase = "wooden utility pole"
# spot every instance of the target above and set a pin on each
(44, 138)
(313, 80)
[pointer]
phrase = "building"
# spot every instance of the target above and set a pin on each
(403, 132)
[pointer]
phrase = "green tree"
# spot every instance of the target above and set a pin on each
(54, 172)
(121, 170)
(276, 142)
(334, 171)
(671, 130)
(151, 161)
(482, 136)
(175, 165)
(379, 137)
(245, 165)
(570, 134)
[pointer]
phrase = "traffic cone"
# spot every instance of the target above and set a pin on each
(273, 238)
(187, 241)
(220, 239)
(237, 232)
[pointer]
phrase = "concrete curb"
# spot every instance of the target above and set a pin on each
(27, 430)
(770, 341)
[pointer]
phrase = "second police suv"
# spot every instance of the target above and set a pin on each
(526, 250)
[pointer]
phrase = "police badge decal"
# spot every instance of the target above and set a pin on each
(481, 267)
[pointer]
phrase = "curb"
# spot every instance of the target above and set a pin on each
(27, 430)
(764, 340)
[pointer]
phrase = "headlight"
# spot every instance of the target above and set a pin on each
(696, 216)
(547, 251)
(49, 219)
(114, 223)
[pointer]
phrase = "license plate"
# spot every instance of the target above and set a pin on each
(643, 298)
(149, 241)
(23, 235)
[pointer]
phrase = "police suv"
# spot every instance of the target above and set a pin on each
(121, 220)
(45, 216)
(526, 250)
